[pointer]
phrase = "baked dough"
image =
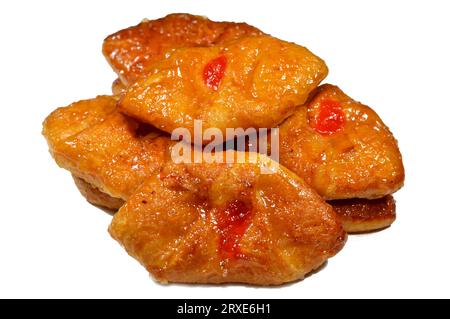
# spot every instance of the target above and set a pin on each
(223, 223)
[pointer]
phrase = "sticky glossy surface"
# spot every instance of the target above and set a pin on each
(73, 119)
(173, 226)
(362, 160)
(132, 50)
(106, 149)
(265, 79)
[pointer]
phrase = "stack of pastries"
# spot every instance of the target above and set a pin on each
(220, 222)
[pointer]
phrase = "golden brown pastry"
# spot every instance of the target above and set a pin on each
(130, 51)
(251, 82)
(68, 121)
(216, 222)
(219, 223)
(106, 149)
(341, 147)
(363, 215)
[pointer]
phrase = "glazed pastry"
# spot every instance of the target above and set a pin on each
(132, 50)
(221, 223)
(68, 121)
(251, 82)
(341, 147)
(103, 147)
(249, 221)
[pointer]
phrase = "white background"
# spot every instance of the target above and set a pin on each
(391, 55)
